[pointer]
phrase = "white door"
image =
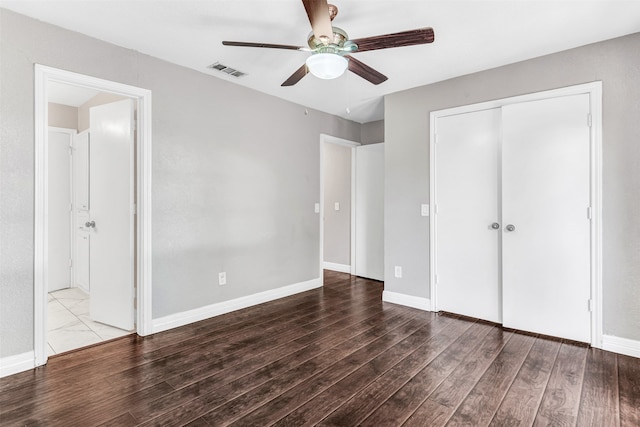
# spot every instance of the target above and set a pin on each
(59, 209)
(467, 205)
(369, 212)
(545, 189)
(111, 208)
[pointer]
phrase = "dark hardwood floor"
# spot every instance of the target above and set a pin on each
(335, 356)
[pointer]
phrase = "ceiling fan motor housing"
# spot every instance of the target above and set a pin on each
(339, 43)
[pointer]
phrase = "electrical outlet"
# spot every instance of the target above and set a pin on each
(222, 278)
(397, 272)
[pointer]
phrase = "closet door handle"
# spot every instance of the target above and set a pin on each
(90, 224)
(511, 227)
(495, 226)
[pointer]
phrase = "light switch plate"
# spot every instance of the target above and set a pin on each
(316, 208)
(424, 209)
(336, 206)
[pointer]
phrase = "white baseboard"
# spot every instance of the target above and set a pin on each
(407, 300)
(19, 363)
(212, 310)
(621, 345)
(342, 268)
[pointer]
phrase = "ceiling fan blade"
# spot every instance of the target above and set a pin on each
(296, 76)
(318, 13)
(269, 45)
(404, 38)
(366, 72)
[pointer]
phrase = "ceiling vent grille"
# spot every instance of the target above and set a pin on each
(227, 70)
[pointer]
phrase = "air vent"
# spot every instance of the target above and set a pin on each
(227, 70)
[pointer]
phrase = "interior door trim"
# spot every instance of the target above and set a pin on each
(44, 75)
(594, 89)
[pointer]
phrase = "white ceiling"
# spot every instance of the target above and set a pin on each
(73, 96)
(470, 36)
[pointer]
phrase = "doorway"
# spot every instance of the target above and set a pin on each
(516, 190)
(140, 200)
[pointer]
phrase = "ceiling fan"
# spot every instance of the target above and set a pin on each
(331, 48)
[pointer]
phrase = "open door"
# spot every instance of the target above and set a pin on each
(369, 210)
(111, 210)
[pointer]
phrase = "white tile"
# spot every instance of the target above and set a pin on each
(77, 307)
(105, 332)
(71, 337)
(58, 316)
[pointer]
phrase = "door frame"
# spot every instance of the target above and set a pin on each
(345, 143)
(44, 75)
(594, 89)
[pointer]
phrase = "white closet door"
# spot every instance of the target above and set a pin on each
(369, 210)
(546, 273)
(111, 194)
(467, 252)
(59, 210)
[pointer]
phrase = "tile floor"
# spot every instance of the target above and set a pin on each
(68, 323)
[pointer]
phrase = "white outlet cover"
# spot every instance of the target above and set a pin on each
(398, 272)
(222, 278)
(336, 206)
(424, 209)
(316, 208)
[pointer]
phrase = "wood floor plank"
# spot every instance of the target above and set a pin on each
(481, 404)
(599, 399)
(561, 399)
(296, 391)
(333, 356)
(454, 340)
(411, 396)
(260, 383)
(330, 399)
(629, 383)
(521, 402)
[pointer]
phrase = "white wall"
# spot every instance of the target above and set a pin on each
(617, 64)
(235, 176)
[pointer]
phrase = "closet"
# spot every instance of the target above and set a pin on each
(513, 215)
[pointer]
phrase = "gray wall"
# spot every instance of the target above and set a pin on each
(337, 188)
(63, 116)
(372, 132)
(615, 62)
(235, 176)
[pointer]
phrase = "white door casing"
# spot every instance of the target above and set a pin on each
(546, 263)
(369, 211)
(59, 208)
(43, 76)
(111, 199)
(467, 176)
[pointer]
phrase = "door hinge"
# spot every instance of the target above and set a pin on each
(589, 120)
(589, 305)
(589, 215)
(435, 277)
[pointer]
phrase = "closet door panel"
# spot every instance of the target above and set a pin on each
(545, 194)
(467, 175)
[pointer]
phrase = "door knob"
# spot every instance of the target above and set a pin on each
(511, 227)
(495, 225)
(90, 224)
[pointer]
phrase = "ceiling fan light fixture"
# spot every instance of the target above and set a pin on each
(327, 65)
